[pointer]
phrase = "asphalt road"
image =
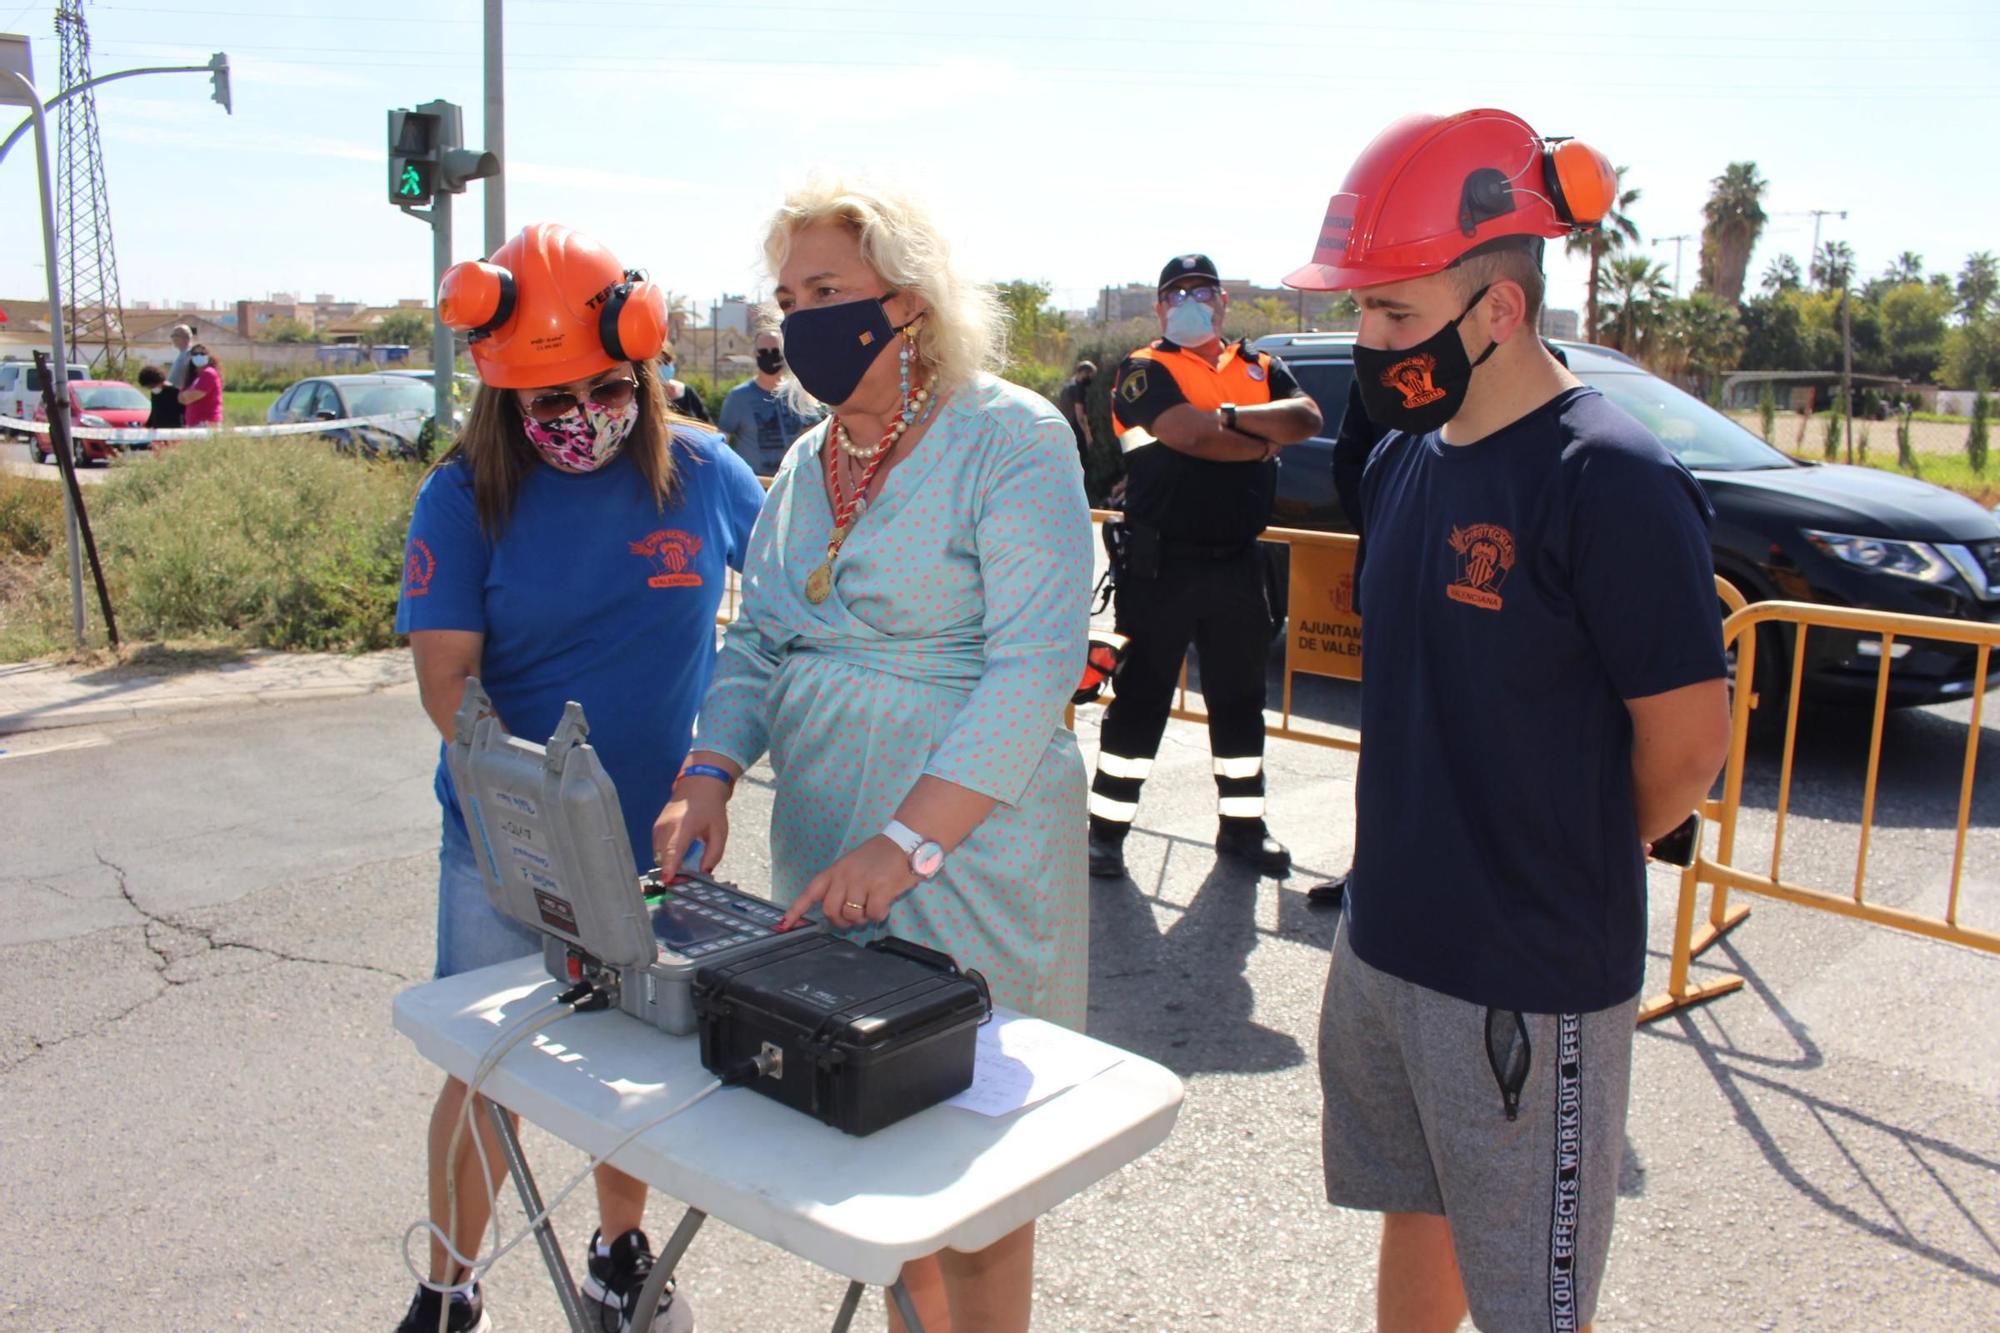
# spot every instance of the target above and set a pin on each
(207, 1121)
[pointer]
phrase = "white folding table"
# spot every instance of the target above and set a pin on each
(859, 1207)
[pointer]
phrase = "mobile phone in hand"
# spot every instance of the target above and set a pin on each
(1677, 848)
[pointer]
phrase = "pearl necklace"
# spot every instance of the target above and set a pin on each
(912, 409)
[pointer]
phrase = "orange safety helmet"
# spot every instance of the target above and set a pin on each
(1430, 189)
(552, 307)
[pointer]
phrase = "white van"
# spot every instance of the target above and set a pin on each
(21, 389)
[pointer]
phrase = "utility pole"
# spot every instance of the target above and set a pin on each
(714, 341)
(1678, 241)
(496, 132)
(1847, 370)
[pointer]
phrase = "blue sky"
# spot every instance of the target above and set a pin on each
(1073, 143)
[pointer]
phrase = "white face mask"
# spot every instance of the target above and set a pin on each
(1190, 323)
(199, 360)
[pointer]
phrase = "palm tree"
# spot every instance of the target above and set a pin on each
(1833, 266)
(1638, 292)
(1782, 275)
(1735, 218)
(1978, 285)
(1908, 268)
(1608, 237)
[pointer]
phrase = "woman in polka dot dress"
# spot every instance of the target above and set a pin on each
(913, 623)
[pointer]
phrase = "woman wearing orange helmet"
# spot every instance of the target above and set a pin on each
(571, 545)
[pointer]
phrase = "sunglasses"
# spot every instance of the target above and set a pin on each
(1182, 295)
(612, 396)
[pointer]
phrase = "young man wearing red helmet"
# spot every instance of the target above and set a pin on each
(1538, 573)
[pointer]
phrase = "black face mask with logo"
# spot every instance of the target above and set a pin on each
(770, 360)
(830, 347)
(1419, 388)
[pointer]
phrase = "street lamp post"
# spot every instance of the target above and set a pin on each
(17, 88)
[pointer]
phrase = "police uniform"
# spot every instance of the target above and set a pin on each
(1194, 574)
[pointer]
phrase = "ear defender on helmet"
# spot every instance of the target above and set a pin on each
(476, 298)
(633, 322)
(1582, 185)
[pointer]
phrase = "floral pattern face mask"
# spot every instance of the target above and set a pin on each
(583, 439)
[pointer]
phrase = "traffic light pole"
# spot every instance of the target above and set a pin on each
(58, 386)
(444, 348)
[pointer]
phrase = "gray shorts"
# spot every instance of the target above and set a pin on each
(1416, 1121)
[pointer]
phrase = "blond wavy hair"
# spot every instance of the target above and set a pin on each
(965, 329)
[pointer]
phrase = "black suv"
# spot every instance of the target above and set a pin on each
(1844, 536)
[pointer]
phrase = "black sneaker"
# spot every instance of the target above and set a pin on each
(1107, 856)
(614, 1282)
(1250, 842)
(468, 1313)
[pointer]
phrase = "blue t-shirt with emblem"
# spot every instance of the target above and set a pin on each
(1516, 592)
(593, 592)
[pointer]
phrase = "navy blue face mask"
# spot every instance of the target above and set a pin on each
(830, 347)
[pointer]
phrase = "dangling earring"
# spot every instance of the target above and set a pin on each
(903, 371)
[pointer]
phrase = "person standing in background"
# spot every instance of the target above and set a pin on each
(683, 398)
(758, 416)
(201, 400)
(1073, 401)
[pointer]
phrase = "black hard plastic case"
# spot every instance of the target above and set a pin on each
(865, 1036)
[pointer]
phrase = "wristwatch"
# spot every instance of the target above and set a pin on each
(1228, 411)
(926, 857)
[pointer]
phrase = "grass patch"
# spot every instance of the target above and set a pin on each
(240, 542)
(247, 407)
(30, 515)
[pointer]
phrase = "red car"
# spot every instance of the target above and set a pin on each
(99, 403)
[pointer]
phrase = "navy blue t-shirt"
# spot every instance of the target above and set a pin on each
(1517, 591)
(590, 592)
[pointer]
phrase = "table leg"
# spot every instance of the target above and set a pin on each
(848, 1305)
(545, 1234)
(906, 1307)
(664, 1265)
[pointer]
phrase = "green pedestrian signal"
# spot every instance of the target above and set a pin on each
(415, 140)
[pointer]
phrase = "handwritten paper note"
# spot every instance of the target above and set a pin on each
(1022, 1061)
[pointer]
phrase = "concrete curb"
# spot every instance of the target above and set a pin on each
(47, 698)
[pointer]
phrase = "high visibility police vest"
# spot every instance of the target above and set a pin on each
(1196, 501)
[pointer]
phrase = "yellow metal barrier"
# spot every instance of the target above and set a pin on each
(1692, 938)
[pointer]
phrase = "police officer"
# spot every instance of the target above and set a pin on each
(1200, 425)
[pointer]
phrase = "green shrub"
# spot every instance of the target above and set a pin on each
(271, 543)
(1861, 442)
(1767, 411)
(1833, 419)
(30, 515)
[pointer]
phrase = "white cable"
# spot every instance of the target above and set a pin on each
(475, 1269)
(536, 1020)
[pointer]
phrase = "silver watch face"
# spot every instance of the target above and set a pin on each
(927, 860)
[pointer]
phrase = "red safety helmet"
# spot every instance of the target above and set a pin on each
(552, 307)
(1432, 188)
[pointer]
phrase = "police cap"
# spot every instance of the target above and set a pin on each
(1182, 267)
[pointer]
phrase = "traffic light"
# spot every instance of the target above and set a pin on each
(414, 139)
(427, 156)
(218, 79)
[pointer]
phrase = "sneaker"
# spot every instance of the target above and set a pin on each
(1250, 842)
(468, 1313)
(1107, 856)
(615, 1281)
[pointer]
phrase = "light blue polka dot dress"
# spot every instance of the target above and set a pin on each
(952, 641)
